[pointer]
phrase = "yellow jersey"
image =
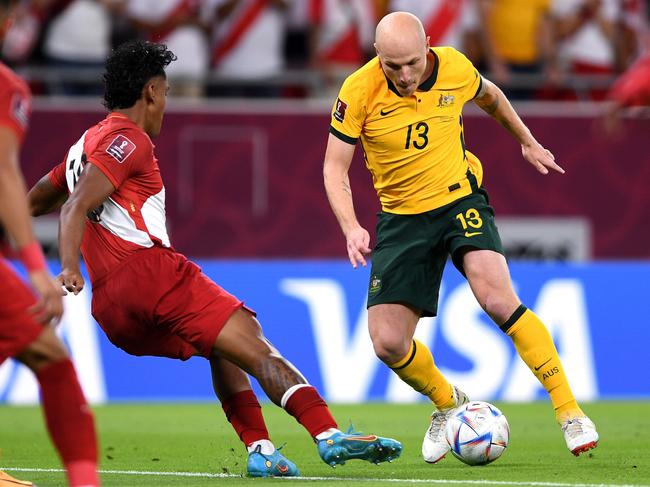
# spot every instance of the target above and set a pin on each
(413, 146)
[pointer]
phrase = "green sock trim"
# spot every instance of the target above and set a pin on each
(410, 358)
(513, 319)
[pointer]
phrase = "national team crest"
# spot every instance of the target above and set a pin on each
(446, 101)
(375, 284)
(339, 112)
(121, 148)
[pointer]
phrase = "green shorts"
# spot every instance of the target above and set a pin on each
(412, 250)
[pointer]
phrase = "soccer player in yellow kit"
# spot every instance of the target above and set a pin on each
(405, 106)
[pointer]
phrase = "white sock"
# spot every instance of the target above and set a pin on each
(266, 447)
(327, 433)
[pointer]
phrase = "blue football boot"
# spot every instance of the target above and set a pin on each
(340, 447)
(273, 465)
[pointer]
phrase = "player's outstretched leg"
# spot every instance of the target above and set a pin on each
(303, 402)
(242, 342)
(7, 480)
(338, 447)
(535, 346)
(243, 411)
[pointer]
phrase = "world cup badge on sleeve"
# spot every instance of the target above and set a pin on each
(121, 148)
(339, 112)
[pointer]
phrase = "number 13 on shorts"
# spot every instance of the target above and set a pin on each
(470, 218)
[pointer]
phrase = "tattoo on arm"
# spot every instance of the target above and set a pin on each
(505, 124)
(495, 104)
(346, 188)
(492, 107)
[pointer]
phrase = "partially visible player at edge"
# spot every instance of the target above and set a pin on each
(632, 89)
(115, 216)
(405, 105)
(28, 316)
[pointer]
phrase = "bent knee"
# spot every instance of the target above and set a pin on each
(391, 350)
(46, 349)
(499, 307)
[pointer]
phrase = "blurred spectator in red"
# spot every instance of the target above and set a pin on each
(176, 23)
(22, 33)
(446, 22)
(632, 89)
(631, 28)
(342, 37)
(247, 47)
(520, 42)
(587, 31)
(77, 36)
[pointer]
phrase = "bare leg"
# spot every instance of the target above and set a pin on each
(488, 276)
(227, 378)
(242, 343)
(45, 350)
(391, 328)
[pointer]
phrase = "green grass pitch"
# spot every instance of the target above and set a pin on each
(153, 440)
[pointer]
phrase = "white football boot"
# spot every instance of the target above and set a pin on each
(580, 435)
(434, 445)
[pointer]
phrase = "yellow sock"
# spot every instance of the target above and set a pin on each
(535, 346)
(418, 370)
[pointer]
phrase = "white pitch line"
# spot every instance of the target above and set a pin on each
(333, 479)
(132, 472)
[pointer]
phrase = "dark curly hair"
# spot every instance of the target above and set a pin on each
(129, 67)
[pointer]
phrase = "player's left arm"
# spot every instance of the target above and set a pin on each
(14, 216)
(13, 209)
(45, 197)
(91, 190)
(492, 101)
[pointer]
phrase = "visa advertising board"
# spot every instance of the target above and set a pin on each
(314, 312)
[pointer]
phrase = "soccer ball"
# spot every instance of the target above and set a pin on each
(477, 433)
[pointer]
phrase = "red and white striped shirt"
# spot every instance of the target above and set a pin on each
(133, 217)
(444, 21)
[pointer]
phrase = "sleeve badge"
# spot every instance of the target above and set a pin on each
(339, 112)
(121, 148)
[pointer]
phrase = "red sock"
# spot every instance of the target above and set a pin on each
(245, 414)
(70, 422)
(309, 409)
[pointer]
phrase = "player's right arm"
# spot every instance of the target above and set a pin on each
(338, 158)
(348, 117)
(90, 191)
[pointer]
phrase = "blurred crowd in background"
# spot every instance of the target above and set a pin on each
(533, 49)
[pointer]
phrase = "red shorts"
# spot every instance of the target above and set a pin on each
(18, 328)
(159, 303)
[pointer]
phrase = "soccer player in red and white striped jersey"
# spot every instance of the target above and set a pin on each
(28, 315)
(150, 299)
